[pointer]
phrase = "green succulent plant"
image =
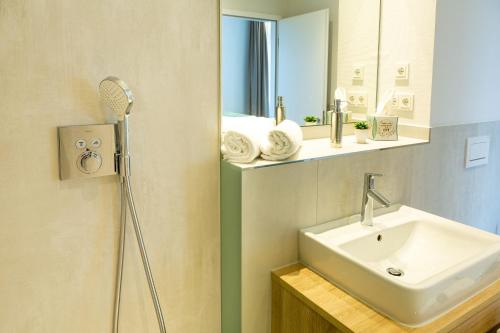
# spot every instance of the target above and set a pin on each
(311, 119)
(361, 125)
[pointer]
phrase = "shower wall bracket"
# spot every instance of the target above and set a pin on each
(87, 151)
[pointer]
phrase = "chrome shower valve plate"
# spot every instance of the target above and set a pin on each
(87, 151)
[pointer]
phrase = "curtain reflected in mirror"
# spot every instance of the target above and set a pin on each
(258, 69)
(248, 67)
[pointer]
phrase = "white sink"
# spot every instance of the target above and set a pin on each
(443, 263)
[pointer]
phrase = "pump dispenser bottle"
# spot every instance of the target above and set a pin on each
(337, 125)
(280, 110)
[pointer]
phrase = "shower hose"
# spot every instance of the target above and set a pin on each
(128, 200)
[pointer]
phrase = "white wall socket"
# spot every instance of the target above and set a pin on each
(357, 99)
(403, 101)
(406, 102)
(402, 71)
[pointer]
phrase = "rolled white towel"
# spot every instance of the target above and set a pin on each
(282, 142)
(232, 123)
(241, 138)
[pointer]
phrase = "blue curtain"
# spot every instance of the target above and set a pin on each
(258, 70)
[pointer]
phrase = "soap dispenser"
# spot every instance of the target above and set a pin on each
(280, 111)
(337, 125)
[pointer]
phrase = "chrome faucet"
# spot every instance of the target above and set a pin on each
(370, 194)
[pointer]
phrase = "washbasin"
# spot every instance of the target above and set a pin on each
(410, 265)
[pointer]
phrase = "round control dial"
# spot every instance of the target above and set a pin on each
(89, 162)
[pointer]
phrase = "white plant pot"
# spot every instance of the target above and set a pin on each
(310, 123)
(361, 135)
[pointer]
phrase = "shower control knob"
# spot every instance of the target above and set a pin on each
(89, 162)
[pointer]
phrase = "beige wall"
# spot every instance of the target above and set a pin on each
(407, 36)
(358, 41)
(59, 239)
(354, 39)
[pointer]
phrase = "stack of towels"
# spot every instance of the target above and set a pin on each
(246, 138)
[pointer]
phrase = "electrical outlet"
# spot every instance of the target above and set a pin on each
(402, 71)
(357, 99)
(362, 99)
(405, 102)
(352, 99)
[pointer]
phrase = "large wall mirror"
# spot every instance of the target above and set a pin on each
(307, 51)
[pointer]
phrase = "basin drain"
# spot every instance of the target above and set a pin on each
(394, 271)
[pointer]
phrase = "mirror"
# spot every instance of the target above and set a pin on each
(301, 50)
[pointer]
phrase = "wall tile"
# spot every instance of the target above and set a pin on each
(277, 202)
(442, 185)
(340, 181)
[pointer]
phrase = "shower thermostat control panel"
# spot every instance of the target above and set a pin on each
(86, 151)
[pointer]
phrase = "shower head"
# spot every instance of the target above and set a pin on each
(116, 95)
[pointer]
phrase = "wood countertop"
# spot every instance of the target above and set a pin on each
(346, 314)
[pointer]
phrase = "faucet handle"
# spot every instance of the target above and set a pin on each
(370, 179)
(371, 174)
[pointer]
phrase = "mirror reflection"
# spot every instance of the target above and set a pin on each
(303, 53)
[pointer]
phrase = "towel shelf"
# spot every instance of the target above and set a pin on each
(318, 149)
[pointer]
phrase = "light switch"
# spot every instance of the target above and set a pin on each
(358, 72)
(477, 153)
(395, 102)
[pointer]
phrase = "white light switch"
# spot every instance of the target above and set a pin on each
(358, 72)
(477, 153)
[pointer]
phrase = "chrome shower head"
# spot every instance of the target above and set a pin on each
(116, 95)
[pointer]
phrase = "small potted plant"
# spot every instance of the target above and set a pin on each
(361, 131)
(311, 120)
